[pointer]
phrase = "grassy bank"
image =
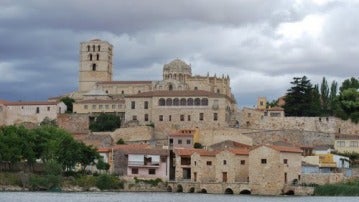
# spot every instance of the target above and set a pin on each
(350, 188)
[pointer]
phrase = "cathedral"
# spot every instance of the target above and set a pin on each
(179, 100)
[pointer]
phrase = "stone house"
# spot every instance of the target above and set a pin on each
(203, 165)
(231, 166)
(272, 167)
(182, 138)
(346, 143)
(29, 111)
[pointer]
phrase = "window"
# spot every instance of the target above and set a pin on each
(169, 118)
(182, 117)
(175, 102)
(93, 48)
(100, 106)
(97, 56)
(353, 143)
(243, 162)
(146, 105)
(204, 102)
(94, 67)
(90, 57)
(146, 117)
(341, 143)
(201, 116)
(152, 171)
(48, 108)
(106, 106)
(169, 102)
(285, 161)
(195, 88)
(249, 114)
(98, 47)
(134, 171)
(218, 91)
(183, 102)
(224, 162)
(215, 117)
(122, 92)
(179, 141)
(161, 102)
(88, 48)
(264, 161)
(133, 105)
(113, 106)
(134, 118)
(37, 110)
(197, 101)
(189, 118)
(93, 106)
(190, 102)
(160, 118)
(85, 106)
(209, 163)
(188, 141)
(261, 103)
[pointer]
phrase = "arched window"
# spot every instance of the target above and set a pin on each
(183, 102)
(218, 91)
(175, 102)
(98, 47)
(169, 102)
(170, 87)
(93, 67)
(190, 102)
(88, 48)
(204, 101)
(93, 48)
(97, 56)
(197, 102)
(90, 57)
(161, 102)
(195, 88)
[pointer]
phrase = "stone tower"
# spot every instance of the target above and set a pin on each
(95, 63)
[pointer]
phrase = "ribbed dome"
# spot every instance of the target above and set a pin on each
(177, 65)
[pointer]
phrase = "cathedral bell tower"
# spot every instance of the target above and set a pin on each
(95, 63)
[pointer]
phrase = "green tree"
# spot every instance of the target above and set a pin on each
(324, 95)
(301, 98)
(69, 103)
(333, 101)
(348, 100)
(105, 122)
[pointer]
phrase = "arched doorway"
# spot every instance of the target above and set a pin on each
(169, 189)
(179, 188)
(203, 191)
(228, 191)
(245, 192)
(191, 190)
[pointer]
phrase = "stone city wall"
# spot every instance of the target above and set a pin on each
(252, 118)
(321, 178)
(74, 123)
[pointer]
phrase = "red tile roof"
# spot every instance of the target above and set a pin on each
(125, 82)
(182, 133)
(23, 103)
(178, 93)
(204, 152)
(281, 148)
(241, 151)
(346, 137)
(100, 101)
(185, 152)
(275, 109)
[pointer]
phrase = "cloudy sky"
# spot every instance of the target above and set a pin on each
(260, 44)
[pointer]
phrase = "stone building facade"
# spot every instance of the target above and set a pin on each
(180, 100)
(272, 167)
(29, 112)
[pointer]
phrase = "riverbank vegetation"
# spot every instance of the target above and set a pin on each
(350, 188)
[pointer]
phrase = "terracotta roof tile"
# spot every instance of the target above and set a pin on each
(182, 133)
(346, 137)
(280, 148)
(100, 101)
(204, 152)
(125, 82)
(275, 109)
(185, 152)
(30, 103)
(241, 151)
(178, 93)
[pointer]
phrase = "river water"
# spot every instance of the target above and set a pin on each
(155, 197)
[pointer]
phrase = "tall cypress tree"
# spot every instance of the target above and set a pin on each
(302, 99)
